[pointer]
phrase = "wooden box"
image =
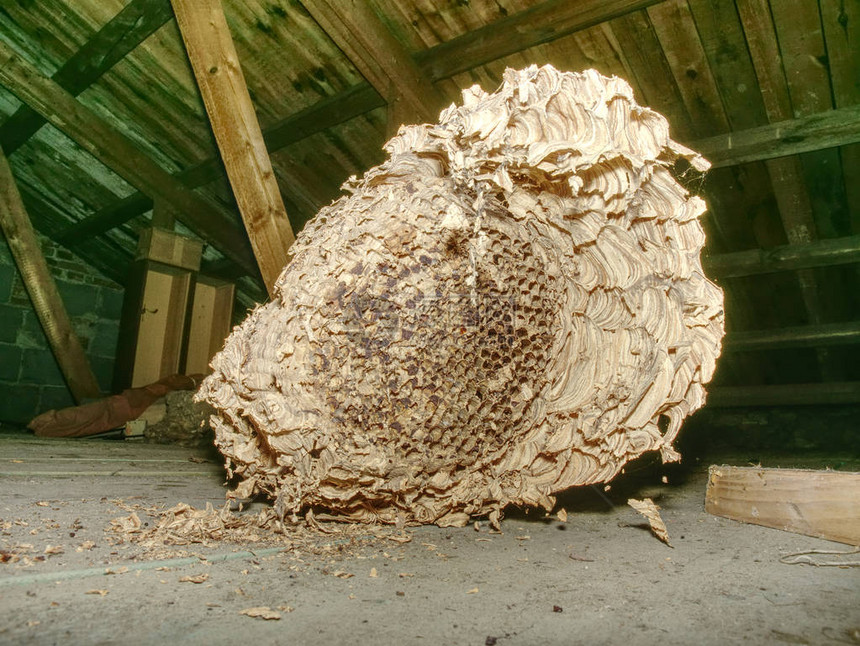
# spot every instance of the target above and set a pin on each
(209, 325)
(169, 248)
(154, 320)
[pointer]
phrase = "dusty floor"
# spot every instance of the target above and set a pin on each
(599, 578)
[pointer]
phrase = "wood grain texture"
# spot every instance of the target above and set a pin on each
(131, 26)
(119, 153)
(828, 129)
(219, 76)
(834, 393)
(542, 23)
(42, 289)
(820, 253)
(379, 56)
(825, 504)
(805, 336)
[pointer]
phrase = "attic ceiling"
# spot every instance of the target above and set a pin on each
(720, 70)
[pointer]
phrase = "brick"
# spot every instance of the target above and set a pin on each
(10, 362)
(11, 319)
(78, 299)
(105, 338)
(31, 334)
(103, 370)
(54, 398)
(18, 404)
(7, 277)
(40, 367)
(111, 305)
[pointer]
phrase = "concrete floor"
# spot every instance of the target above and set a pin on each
(599, 578)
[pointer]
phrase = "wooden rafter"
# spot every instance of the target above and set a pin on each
(792, 137)
(382, 60)
(123, 33)
(806, 336)
(42, 289)
(820, 253)
(833, 393)
(787, 173)
(121, 154)
(540, 24)
(219, 76)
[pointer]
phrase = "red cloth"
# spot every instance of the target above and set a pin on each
(112, 412)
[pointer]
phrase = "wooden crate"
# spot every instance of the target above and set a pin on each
(209, 325)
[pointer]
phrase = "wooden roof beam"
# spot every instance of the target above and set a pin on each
(380, 57)
(540, 24)
(42, 289)
(222, 85)
(805, 336)
(119, 153)
(807, 255)
(123, 33)
(792, 137)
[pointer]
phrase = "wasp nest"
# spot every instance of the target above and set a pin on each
(511, 305)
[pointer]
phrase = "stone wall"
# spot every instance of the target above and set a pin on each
(30, 380)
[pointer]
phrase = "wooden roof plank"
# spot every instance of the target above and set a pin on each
(828, 129)
(378, 55)
(841, 22)
(120, 154)
(806, 336)
(234, 122)
(100, 252)
(546, 22)
(130, 27)
(790, 182)
(819, 253)
(42, 289)
(327, 113)
(542, 23)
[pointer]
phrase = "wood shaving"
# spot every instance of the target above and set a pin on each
(562, 515)
(194, 578)
(101, 593)
(373, 573)
(472, 591)
(261, 612)
(651, 512)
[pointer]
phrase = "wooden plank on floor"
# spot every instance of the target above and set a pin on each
(825, 504)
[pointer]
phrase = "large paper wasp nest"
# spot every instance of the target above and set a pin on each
(511, 305)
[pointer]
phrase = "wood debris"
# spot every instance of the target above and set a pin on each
(651, 512)
(512, 304)
(194, 578)
(262, 612)
(101, 593)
